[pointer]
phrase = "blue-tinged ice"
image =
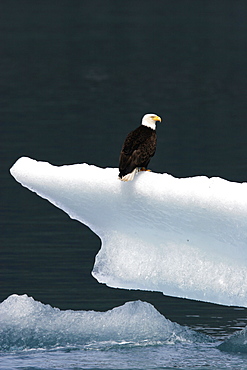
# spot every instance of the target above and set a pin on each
(184, 237)
(236, 342)
(28, 324)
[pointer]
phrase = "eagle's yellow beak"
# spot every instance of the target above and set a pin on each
(157, 118)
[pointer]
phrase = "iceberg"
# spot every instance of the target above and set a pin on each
(185, 237)
(236, 343)
(29, 324)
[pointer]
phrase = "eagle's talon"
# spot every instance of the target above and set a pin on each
(144, 169)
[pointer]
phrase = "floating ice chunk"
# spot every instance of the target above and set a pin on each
(236, 342)
(183, 237)
(26, 323)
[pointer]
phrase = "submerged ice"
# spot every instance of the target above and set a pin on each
(28, 324)
(183, 237)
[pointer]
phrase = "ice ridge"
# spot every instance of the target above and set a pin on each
(28, 324)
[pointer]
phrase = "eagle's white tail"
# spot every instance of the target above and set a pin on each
(129, 176)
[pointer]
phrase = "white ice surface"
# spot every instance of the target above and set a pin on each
(183, 237)
(26, 323)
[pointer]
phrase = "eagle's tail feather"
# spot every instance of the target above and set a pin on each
(129, 176)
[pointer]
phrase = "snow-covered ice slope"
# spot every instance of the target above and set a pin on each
(184, 237)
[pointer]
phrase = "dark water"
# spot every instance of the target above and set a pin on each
(76, 77)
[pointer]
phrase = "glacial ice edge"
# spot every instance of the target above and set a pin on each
(184, 237)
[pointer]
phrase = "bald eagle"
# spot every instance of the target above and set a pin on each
(138, 148)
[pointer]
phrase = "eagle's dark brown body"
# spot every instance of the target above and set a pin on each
(138, 148)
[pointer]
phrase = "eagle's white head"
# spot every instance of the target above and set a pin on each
(150, 120)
